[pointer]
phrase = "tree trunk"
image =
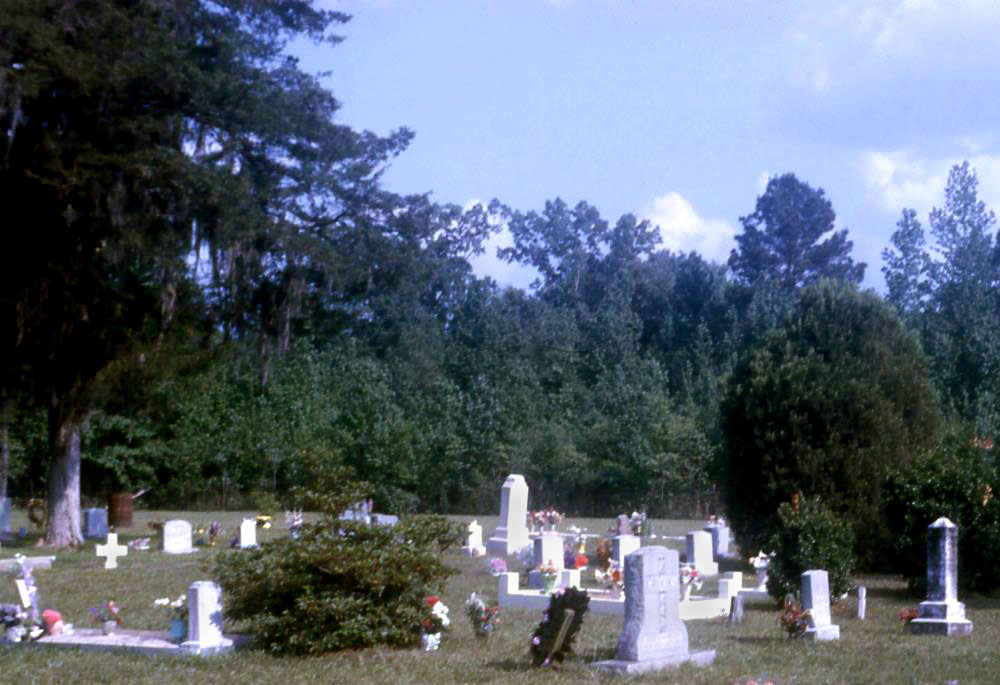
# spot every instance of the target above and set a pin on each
(63, 529)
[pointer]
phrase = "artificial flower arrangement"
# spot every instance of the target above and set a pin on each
(545, 517)
(263, 521)
(497, 566)
(793, 618)
(139, 543)
(908, 614)
(715, 520)
(690, 576)
(612, 578)
(12, 616)
(107, 616)
(553, 638)
(484, 619)
(605, 547)
(573, 557)
(29, 624)
(435, 621)
(177, 609)
(548, 569)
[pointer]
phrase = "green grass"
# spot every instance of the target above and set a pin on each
(871, 651)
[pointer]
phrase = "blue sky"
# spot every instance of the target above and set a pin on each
(676, 111)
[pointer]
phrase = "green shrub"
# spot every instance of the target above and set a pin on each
(959, 483)
(826, 404)
(341, 584)
(809, 537)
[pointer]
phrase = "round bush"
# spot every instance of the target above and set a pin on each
(810, 537)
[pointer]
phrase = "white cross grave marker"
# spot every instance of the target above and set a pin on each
(111, 550)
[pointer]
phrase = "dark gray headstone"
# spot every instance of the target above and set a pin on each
(942, 613)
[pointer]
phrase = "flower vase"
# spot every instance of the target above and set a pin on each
(686, 592)
(108, 627)
(548, 583)
(430, 641)
(761, 578)
(178, 630)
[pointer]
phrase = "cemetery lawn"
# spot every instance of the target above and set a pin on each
(872, 651)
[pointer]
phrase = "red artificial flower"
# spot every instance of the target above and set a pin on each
(432, 600)
(581, 561)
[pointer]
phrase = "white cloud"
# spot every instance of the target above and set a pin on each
(683, 230)
(489, 264)
(899, 179)
(762, 180)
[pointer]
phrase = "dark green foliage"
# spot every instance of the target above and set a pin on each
(781, 240)
(825, 405)
(543, 640)
(341, 584)
(809, 537)
(959, 483)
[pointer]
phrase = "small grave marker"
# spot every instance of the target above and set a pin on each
(111, 550)
(177, 537)
(248, 533)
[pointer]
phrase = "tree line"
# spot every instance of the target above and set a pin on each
(207, 291)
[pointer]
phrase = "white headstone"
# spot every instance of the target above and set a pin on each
(205, 619)
(512, 533)
(177, 537)
(699, 553)
(248, 533)
(547, 548)
(942, 613)
(622, 546)
(816, 599)
(111, 550)
(653, 637)
(474, 542)
(95, 523)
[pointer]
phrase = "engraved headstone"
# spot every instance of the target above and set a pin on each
(95, 523)
(653, 637)
(512, 532)
(942, 613)
(816, 599)
(699, 553)
(177, 537)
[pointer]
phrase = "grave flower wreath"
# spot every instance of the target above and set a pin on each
(433, 623)
(793, 618)
(553, 638)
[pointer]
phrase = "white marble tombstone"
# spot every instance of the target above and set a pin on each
(111, 550)
(699, 553)
(248, 533)
(942, 613)
(205, 620)
(653, 637)
(177, 537)
(816, 599)
(512, 532)
(473, 546)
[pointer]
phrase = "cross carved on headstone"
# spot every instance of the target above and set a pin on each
(111, 550)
